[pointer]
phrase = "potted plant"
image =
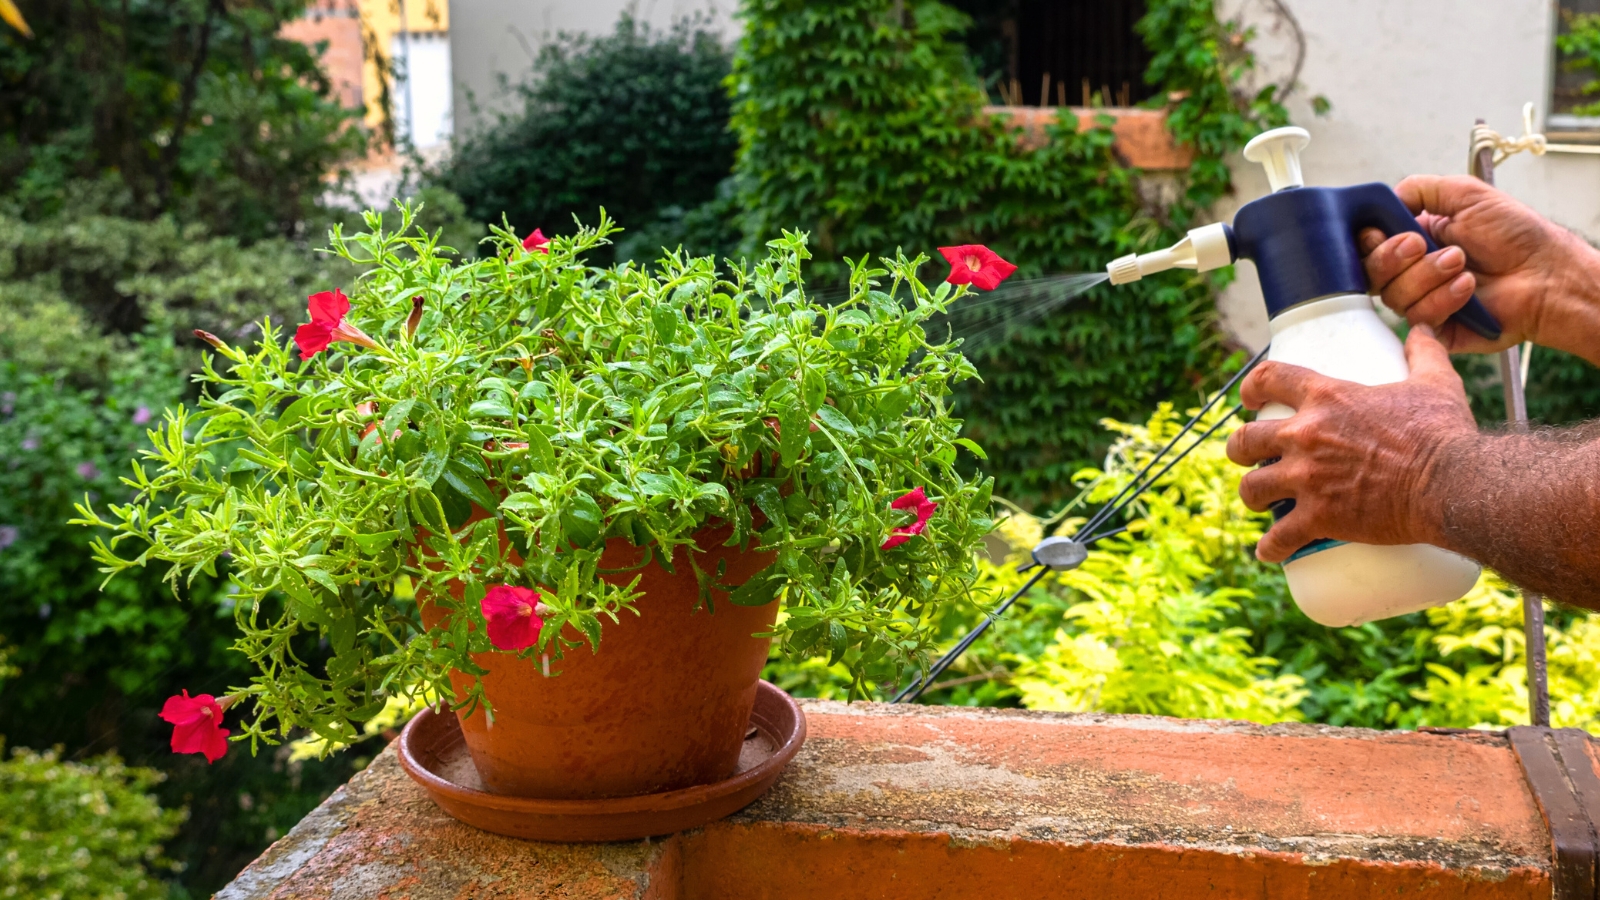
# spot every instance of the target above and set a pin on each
(575, 504)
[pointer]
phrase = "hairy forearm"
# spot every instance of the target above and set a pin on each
(1527, 506)
(1570, 317)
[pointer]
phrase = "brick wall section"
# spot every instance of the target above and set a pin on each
(339, 23)
(1142, 139)
(925, 802)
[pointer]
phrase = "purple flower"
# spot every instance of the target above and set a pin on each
(8, 403)
(9, 535)
(30, 443)
(87, 471)
(141, 415)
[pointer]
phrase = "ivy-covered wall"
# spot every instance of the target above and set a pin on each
(860, 121)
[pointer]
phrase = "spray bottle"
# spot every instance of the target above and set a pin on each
(1303, 243)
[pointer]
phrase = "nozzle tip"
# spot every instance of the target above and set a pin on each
(1124, 269)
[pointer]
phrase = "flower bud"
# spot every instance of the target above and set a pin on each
(415, 319)
(211, 339)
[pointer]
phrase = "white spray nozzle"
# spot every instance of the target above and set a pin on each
(1204, 249)
(1278, 151)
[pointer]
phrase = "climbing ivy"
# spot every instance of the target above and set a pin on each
(861, 121)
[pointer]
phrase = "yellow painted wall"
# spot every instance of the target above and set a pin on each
(381, 22)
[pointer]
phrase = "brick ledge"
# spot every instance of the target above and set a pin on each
(948, 802)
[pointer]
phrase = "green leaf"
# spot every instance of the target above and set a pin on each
(372, 543)
(666, 322)
(794, 433)
(581, 520)
(492, 408)
(972, 447)
(469, 485)
(760, 590)
(836, 421)
(321, 577)
(521, 501)
(398, 416)
(433, 465)
(540, 447)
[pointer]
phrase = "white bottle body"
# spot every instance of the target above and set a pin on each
(1338, 583)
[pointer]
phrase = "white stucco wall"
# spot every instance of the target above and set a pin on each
(1406, 79)
(489, 38)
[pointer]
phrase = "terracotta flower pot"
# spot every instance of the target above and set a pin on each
(664, 705)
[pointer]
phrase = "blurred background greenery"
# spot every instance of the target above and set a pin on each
(166, 167)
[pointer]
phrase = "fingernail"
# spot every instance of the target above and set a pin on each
(1451, 258)
(1412, 247)
(1462, 285)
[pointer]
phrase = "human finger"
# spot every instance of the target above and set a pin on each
(1286, 535)
(1442, 195)
(1436, 306)
(1428, 359)
(1440, 269)
(1253, 442)
(1261, 488)
(1387, 259)
(1276, 382)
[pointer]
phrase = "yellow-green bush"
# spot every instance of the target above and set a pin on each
(1177, 618)
(80, 831)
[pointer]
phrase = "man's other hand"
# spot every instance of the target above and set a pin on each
(1359, 462)
(1538, 279)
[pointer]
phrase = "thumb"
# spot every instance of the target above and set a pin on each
(1428, 359)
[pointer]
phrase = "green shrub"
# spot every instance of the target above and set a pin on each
(635, 121)
(190, 107)
(860, 121)
(81, 831)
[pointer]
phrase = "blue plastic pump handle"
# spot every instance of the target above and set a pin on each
(1384, 210)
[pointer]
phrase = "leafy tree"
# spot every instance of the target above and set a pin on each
(635, 121)
(191, 107)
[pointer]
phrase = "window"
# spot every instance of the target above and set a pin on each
(1566, 121)
(1059, 52)
(1070, 52)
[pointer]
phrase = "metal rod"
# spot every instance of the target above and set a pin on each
(1517, 417)
(1099, 518)
(915, 689)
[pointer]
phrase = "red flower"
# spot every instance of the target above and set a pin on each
(197, 725)
(536, 241)
(327, 325)
(915, 500)
(513, 622)
(976, 265)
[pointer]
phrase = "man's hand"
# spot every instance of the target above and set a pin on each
(1539, 280)
(1358, 461)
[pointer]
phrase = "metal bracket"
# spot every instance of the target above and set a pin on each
(1560, 773)
(1058, 553)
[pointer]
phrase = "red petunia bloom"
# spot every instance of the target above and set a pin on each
(976, 265)
(514, 623)
(327, 325)
(917, 501)
(536, 241)
(197, 725)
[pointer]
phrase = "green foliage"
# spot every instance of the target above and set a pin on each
(861, 121)
(1579, 43)
(81, 830)
(635, 121)
(575, 405)
(1562, 389)
(71, 285)
(191, 107)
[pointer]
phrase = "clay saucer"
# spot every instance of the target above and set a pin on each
(435, 756)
